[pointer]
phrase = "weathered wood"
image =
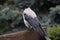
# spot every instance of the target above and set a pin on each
(22, 35)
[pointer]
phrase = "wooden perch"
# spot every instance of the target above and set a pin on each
(22, 35)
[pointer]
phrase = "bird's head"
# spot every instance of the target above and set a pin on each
(23, 6)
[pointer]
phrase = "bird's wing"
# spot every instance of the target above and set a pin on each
(31, 18)
(35, 24)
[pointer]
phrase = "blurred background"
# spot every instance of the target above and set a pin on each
(48, 12)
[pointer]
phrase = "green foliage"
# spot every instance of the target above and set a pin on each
(54, 33)
(6, 13)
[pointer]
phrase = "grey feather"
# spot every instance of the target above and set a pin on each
(35, 24)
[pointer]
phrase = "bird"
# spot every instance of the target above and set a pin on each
(31, 22)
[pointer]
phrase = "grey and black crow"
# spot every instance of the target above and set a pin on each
(31, 21)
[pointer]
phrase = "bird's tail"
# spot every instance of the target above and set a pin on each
(47, 38)
(42, 33)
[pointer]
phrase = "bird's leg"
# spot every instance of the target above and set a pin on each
(30, 28)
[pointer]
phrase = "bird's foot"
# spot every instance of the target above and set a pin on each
(29, 29)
